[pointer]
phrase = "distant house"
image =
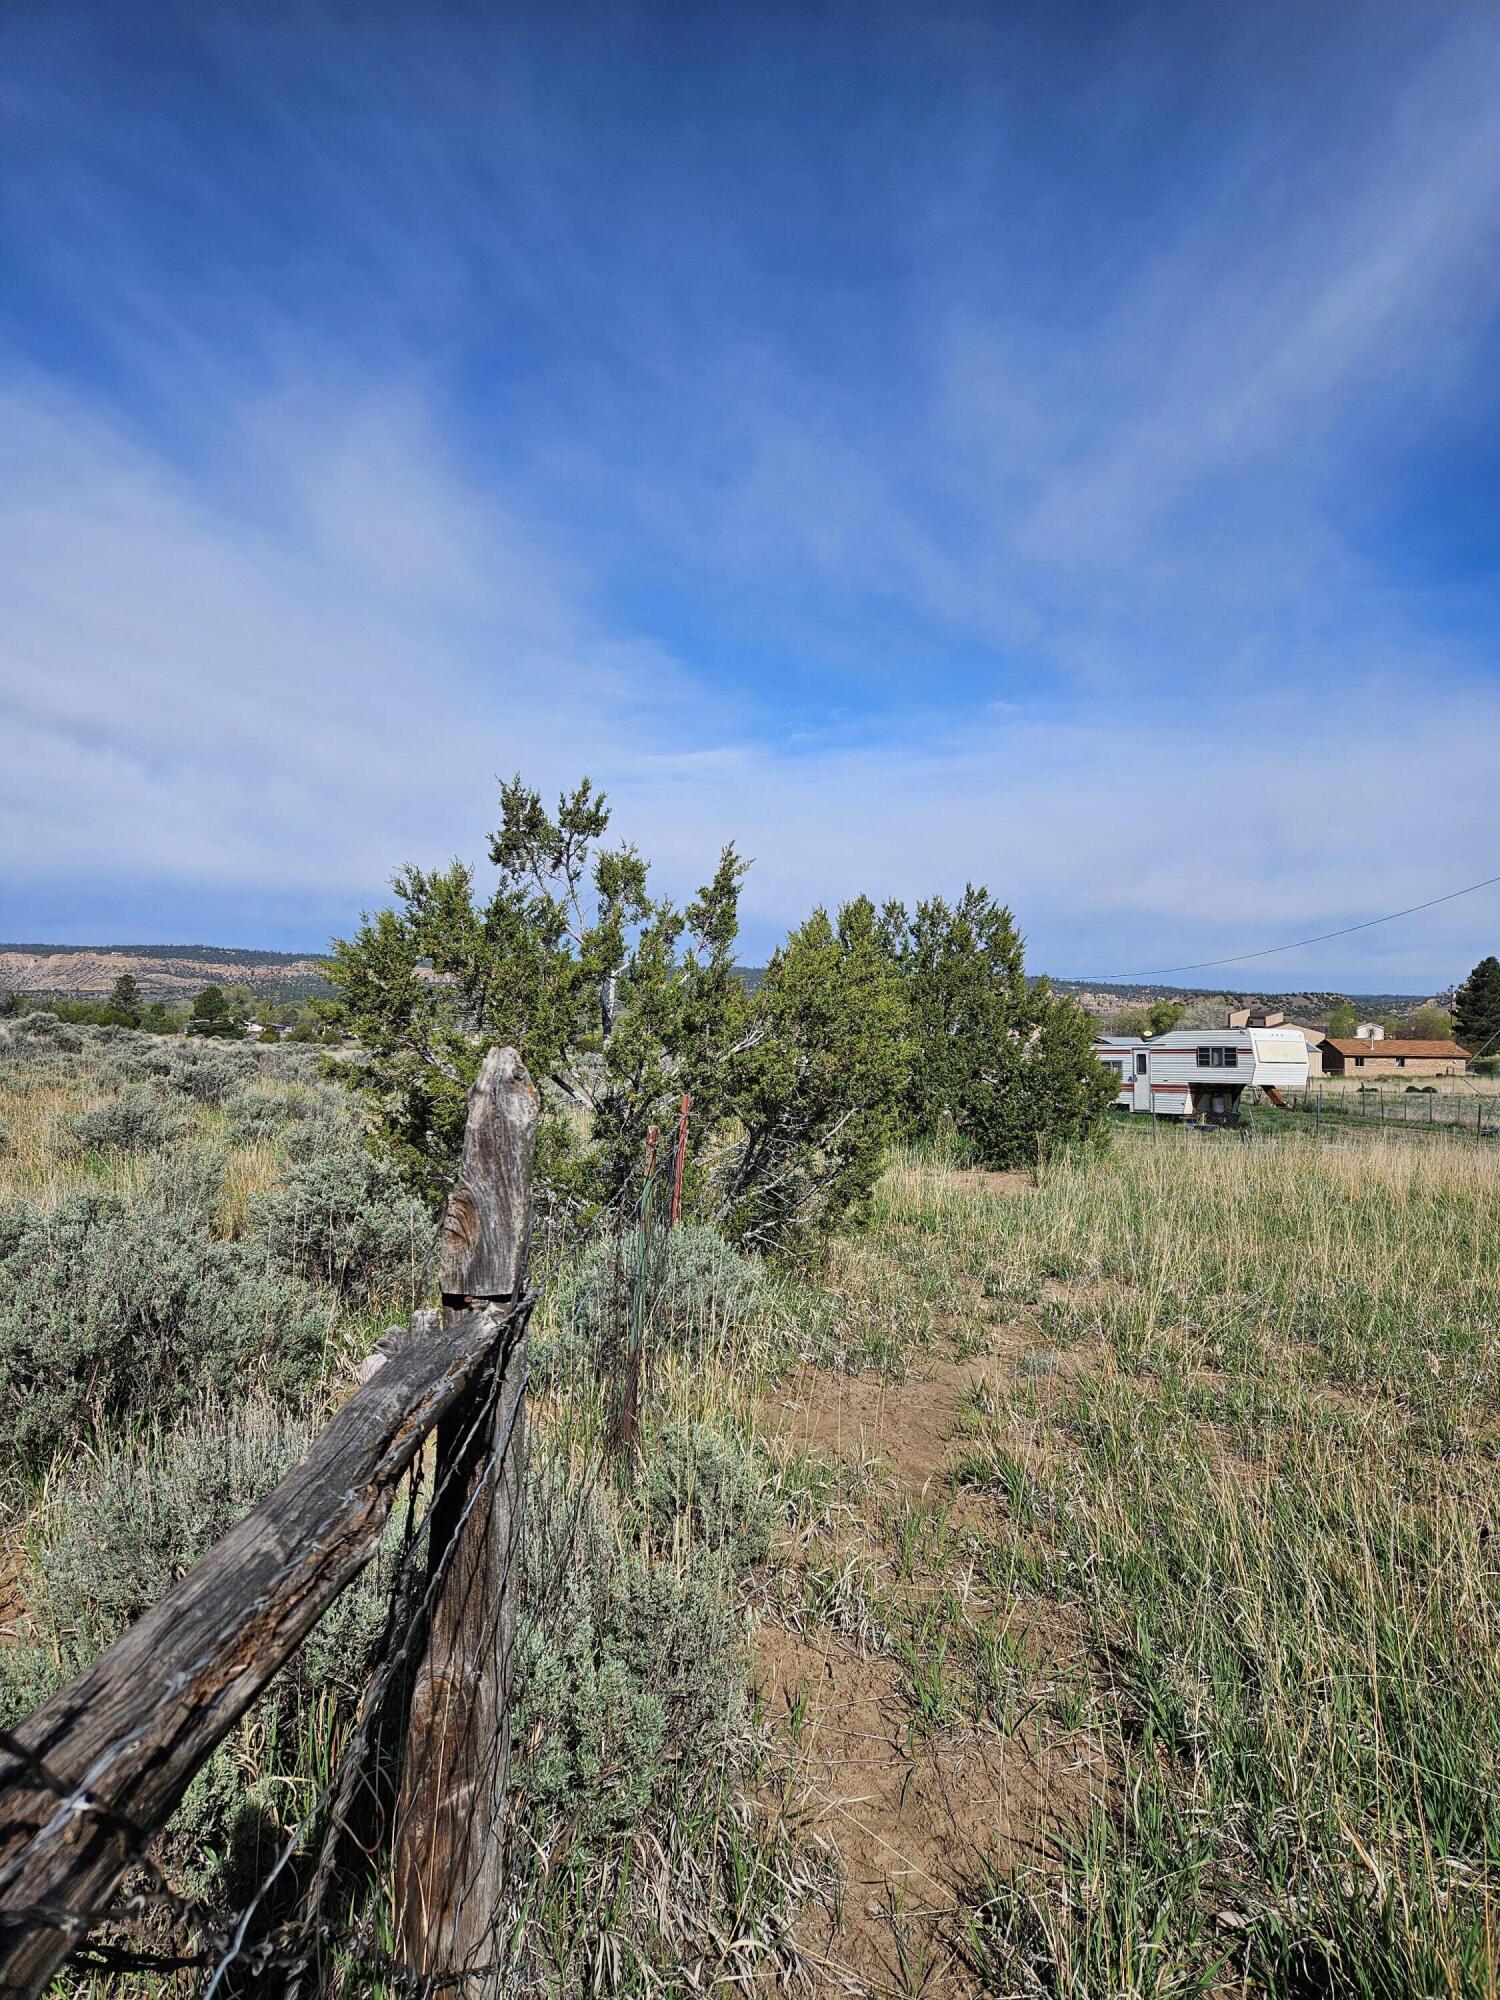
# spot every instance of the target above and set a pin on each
(1389, 1055)
(1369, 1031)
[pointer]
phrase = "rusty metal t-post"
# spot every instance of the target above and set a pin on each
(449, 1838)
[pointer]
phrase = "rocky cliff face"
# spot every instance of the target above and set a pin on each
(166, 975)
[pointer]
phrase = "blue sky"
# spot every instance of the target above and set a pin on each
(1058, 446)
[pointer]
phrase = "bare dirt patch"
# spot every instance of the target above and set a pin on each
(908, 1426)
(917, 1818)
(14, 1616)
(914, 1820)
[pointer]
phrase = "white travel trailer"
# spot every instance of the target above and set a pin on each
(1201, 1073)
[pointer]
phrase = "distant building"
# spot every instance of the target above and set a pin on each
(1388, 1055)
(1369, 1031)
(1314, 1038)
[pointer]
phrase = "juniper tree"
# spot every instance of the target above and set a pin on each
(616, 1000)
(1476, 1009)
(125, 999)
(997, 1057)
(815, 1084)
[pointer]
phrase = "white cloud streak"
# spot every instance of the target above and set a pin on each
(274, 616)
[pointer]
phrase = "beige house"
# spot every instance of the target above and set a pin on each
(1314, 1038)
(1388, 1055)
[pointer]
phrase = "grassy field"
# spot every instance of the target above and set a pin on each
(1083, 1586)
(1240, 1442)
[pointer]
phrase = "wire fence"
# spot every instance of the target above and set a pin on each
(284, 1927)
(387, 1876)
(1407, 1107)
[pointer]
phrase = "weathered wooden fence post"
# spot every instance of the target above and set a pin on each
(449, 1837)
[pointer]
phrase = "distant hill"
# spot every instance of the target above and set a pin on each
(1298, 1006)
(162, 971)
(172, 971)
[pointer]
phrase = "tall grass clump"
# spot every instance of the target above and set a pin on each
(1264, 1488)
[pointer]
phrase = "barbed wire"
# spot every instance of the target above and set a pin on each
(224, 1946)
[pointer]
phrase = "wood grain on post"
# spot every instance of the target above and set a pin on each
(449, 1840)
(122, 1741)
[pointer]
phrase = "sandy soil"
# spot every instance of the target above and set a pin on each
(918, 1821)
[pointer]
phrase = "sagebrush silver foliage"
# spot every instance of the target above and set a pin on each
(135, 1121)
(110, 1538)
(699, 1290)
(110, 1310)
(343, 1217)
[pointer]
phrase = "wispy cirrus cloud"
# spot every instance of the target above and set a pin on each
(1019, 447)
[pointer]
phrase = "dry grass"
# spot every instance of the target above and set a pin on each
(1266, 1487)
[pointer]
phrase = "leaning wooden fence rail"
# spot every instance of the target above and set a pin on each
(91, 1778)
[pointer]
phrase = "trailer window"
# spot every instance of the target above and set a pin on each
(1140, 1063)
(1212, 1057)
(1205, 1057)
(1231, 1058)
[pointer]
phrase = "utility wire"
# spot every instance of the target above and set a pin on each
(1240, 958)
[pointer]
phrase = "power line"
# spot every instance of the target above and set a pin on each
(1240, 958)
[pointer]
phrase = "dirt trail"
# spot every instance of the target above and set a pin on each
(13, 1617)
(920, 1819)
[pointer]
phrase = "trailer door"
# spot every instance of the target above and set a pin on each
(1140, 1083)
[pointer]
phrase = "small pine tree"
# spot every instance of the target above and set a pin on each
(1476, 1009)
(125, 999)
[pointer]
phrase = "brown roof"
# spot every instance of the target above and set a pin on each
(1389, 1046)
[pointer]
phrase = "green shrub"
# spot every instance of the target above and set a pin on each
(629, 1673)
(107, 1311)
(135, 1121)
(40, 1028)
(137, 1059)
(209, 1074)
(703, 1294)
(343, 1217)
(264, 1109)
(707, 1488)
